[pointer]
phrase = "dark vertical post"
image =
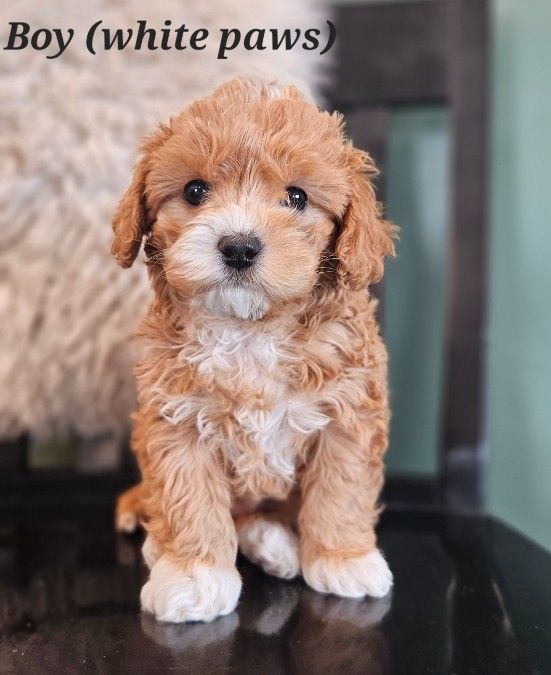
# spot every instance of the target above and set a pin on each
(461, 460)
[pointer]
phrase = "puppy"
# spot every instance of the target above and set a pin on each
(264, 375)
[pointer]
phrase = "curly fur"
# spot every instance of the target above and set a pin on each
(236, 406)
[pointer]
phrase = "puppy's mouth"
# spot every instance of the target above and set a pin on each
(238, 293)
(246, 278)
(237, 299)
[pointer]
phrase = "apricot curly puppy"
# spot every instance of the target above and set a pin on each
(264, 369)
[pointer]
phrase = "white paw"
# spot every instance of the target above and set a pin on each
(150, 551)
(351, 578)
(202, 594)
(271, 545)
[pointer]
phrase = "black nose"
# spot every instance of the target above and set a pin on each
(239, 251)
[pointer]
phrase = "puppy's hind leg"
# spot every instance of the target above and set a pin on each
(267, 538)
(129, 513)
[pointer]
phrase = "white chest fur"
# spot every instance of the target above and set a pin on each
(237, 359)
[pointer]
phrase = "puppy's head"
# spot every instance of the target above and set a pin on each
(251, 198)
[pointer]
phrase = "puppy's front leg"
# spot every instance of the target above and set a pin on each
(191, 544)
(340, 488)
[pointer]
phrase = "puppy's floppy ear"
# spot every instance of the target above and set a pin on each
(132, 220)
(365, 238)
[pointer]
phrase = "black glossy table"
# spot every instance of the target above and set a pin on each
(470, 596)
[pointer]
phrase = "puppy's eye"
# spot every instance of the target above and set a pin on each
(296, 198)
(196, 192)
